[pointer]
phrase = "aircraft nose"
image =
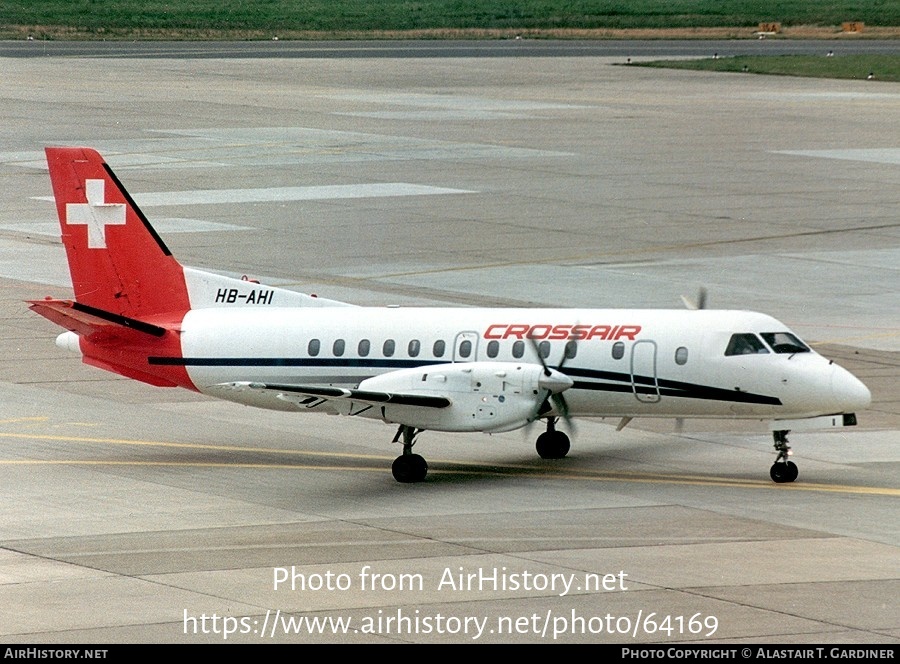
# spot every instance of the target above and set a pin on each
(848, 391)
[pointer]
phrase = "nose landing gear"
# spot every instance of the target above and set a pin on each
(782, 470)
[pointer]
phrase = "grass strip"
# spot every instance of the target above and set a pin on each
(857, 67)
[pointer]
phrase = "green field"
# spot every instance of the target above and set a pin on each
(317, 18)
(397, 19)
(859, 67)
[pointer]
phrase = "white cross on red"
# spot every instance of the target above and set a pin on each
(96, 214)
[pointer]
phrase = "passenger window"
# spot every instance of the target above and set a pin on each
(745, 344)
(518, 349)
(363, 348)
(618, 350)
(571, 350)
(414, 347)
(785, 342)
(544, 349)
(388, 348)
(465, 348)
(681, 355)
(439, 348)
(493, 349)
(313, 347)
(338, 347)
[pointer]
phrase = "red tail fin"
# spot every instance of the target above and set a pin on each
(117, 261)
(130, 293)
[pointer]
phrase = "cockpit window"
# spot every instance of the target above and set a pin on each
(745, 344)
(785, 342)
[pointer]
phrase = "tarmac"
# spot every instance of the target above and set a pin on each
(133, 514)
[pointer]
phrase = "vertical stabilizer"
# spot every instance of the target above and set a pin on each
(130, 293)
(117, 261)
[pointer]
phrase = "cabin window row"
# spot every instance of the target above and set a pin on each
(438, 349)
(518, 349)
(465, 350)
(364, 348)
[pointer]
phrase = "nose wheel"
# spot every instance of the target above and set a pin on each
(783, 470)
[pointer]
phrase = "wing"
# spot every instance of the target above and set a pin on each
(308, 394)
(466, 396)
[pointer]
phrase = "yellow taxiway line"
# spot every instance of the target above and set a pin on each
(461, 467)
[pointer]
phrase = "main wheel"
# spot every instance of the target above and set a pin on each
(409, 468)
(784, 472)
(793, 471)
(552, 445)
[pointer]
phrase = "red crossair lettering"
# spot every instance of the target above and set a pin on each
(539, 331)
(628, 332)
(598, 332)
(491, 334)
(562, 332)
(580, 332)
(516, 331)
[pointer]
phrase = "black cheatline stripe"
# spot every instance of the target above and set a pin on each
(669, 388)
(290, 362)
(124, 321)
(693, 392)
(622, 381)
(140, 214)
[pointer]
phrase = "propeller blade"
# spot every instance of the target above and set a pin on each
(699, 303)
(540, 356)
(562, 407)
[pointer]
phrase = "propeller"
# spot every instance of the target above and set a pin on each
(699, 303)
(555, 382)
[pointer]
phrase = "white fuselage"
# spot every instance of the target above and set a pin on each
(626, 363)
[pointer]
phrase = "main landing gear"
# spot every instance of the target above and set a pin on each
(552, 444)
(408, 467)
(782, 470)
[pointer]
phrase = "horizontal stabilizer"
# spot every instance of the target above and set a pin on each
(86, 321)
(363, 396)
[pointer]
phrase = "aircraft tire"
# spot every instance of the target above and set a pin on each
(409, 468)
(784, 472)
(552, 445)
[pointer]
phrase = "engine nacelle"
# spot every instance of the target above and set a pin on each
(484, 396)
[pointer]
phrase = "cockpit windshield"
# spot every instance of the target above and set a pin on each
(784, 342)
(745, 344)
(748, 343)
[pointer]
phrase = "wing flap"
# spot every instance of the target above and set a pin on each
(352, 394)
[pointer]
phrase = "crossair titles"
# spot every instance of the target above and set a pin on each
(546, 331)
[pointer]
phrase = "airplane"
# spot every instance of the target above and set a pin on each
(140, 313)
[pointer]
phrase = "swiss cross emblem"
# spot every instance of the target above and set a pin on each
(96, 214)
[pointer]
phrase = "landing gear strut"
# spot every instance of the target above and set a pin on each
(782, 470)
(552, 444)
(408, 467)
